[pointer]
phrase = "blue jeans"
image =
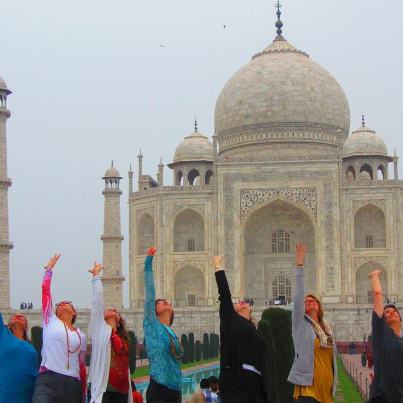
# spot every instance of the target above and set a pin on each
(51, 387)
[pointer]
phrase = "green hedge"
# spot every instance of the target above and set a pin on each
(191, 347)
(206, 346)
(276, 329)
(198, 351)
(185, 349)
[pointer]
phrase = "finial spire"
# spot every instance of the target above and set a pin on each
(112, 162)
(279, 23)
(363, 119)
(195, 124)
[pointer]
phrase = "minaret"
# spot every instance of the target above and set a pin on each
(395, 167)
(140, 169)
(160, 174)
(112, 239)
(5, 183)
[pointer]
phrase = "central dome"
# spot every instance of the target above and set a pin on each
(281, 95)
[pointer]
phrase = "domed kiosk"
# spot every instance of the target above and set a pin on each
(193, 160)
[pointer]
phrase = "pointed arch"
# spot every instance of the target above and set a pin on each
(363, 286)
(188, 231)
(189, 287)
(369, 227)
(145, 233)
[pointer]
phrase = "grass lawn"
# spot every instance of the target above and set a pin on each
(346, 390)
(143, 371)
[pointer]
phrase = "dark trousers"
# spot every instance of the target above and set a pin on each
(157, 393)
(51, 387)
(114, 397)
(378, 400)
(304, 399)
(241, 387)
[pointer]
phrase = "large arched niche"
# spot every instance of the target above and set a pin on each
(188, 232)
(369, 227)
(363, 287)
(263, 262)
(189, 287)
(145, 234)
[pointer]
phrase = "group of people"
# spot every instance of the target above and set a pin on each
(62, 375)
(209, 391)
(26, 305)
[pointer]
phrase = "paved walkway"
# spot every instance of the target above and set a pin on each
(360, 374)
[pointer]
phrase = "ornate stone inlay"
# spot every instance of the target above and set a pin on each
(357, 204)
(252, 198)
(330, 241)
(255, 133)
(359, 261)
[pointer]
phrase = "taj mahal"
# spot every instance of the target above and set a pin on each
(282, 167)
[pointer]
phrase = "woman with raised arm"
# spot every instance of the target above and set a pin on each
(18, 361)
(62, 374)
(109, 373)
(242, 348)
(163, 347)
(387, 345)
(314, 372)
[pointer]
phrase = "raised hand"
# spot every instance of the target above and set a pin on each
(300, 253)
(96, 269)
(52, 262)
(217, 260)
(375, 273)
(151, 251)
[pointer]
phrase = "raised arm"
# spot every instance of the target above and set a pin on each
(97, 308)
(377, 291)
(298, 310)
(47, 305)
(149, 304)
(226, 305)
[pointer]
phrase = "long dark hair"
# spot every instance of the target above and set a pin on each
(121, 330)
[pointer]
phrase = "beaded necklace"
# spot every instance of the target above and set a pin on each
(68, 344)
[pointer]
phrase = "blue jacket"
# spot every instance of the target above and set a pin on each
(18, 367)
(164, 367)
(304, 337)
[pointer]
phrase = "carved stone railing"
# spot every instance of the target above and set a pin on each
(173, 189)
(373, 183)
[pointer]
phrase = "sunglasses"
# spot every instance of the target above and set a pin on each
(65, 303)
(248, 301)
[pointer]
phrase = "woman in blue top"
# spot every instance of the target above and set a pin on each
(163, 347)
(18, 360)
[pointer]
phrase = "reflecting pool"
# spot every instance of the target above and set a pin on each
(190, 381)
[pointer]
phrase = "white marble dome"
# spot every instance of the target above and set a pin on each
(280, 86)
(364, 141)
(112, 172)
(195, 147)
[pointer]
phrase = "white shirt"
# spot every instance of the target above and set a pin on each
(55, 355)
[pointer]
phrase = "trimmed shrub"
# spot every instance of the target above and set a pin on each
(206, 346)
(211, 345)
(185, 349)
(276, 329)
(191, 347)
(36, 339)
(198, 351)
(132, 350)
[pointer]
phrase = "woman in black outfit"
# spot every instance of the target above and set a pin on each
(242, 348)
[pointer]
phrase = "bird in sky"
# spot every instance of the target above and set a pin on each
(224, 26)
(162, 46)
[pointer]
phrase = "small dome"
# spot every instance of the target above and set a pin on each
(195, 147)
(112, 172)
(364, 141)
(3, 86)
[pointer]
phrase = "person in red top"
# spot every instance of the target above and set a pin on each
(137, 396)
(110, 367)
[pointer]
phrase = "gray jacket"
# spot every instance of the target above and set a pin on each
(304, 337)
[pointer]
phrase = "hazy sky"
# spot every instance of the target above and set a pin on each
(91, 82)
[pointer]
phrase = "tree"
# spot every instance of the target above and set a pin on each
(36, 338)
(132, 350)
(191, 346)
(206, 346)
(198, 351)
(212, 345)
(276, 329)
(185, 349)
